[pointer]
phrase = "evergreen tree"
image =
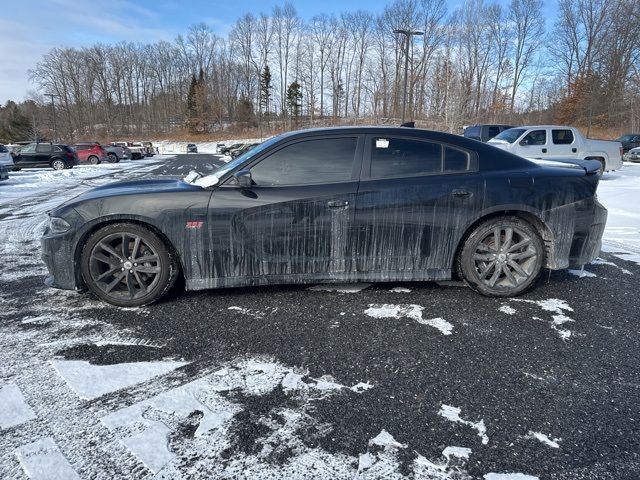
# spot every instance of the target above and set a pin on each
(294, 100)
(265, 89)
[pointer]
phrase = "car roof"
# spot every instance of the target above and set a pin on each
(545, 126)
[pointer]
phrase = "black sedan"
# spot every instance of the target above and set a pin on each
(332, 205)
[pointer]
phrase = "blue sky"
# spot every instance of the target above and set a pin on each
(31, 27)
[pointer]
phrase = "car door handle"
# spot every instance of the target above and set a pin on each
(458, 192)
(337, 203)
(544, 150)
(574, 150)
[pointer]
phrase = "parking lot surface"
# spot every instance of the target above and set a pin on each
(411, 380)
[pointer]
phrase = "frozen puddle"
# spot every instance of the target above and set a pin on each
(340, 287)
(42, 460)
(453, 414)
(154, 429)
(409, 311)
(92, 381)
(15, 409)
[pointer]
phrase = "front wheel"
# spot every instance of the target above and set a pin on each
(58, 164)
(128, 265)
(501, 257)
(94, 160)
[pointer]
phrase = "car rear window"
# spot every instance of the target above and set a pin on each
(401, 157)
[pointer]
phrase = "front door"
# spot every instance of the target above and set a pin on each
(294, 220)
(415, 199)
(534, 144)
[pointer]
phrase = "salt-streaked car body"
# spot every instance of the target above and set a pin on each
(333, 205)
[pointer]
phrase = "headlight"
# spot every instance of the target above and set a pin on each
(58, 225)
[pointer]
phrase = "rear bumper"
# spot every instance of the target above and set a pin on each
(577, 231)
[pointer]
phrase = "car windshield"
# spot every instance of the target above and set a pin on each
(208, 181)
(509, 136)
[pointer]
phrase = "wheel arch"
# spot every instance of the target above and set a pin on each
(530, 217)
(94, 227)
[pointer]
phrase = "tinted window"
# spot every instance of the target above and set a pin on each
(31, 148)
(472, 132)
(326, 160)
(535, 137)
(510, 135)
(455, 160)
(43, 148)
(392, 157)
(493, 131)
(562, 137)
(3, 149)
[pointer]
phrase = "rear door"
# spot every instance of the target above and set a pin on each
(296, 218)
(415, 199)
(563, 143)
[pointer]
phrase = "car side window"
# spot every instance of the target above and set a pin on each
(31, 148)
(326, 160)
(493, 131)
(562, 137)
(456, 160)
(401, 157)
(43, 148)
(535, 137)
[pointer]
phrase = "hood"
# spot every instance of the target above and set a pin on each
(135, 187)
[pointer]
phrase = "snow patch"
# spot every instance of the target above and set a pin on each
(509, 476)
(551, 442)
(400, 290)
(42, 460)
(559, 308)
(386, 440)
(413, 312)
(15, 409)
(508, 310)
(92, 381)
(582, 273)
(453, 414)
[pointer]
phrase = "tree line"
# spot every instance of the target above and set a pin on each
(482, 62)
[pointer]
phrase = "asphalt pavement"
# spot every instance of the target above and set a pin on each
(545, 385)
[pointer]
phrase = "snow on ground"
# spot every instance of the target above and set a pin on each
(167, 147)
(42, 460)
(92, 381)
(541, 437)
(619, 192)
(15, 409)
(558, 308)
(453, 414)
(413, 312)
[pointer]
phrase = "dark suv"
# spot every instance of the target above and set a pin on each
(484, 133)
(629, 141)
(56, 156)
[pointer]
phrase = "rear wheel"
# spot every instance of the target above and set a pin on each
(58, 164)
(94, 160)
(113, 158)
(501, 257)
(128, 265)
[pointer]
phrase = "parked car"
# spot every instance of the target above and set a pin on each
(244, 148)
(56, 156)
(629, 141)
(116, 153)
(219, 147)
(91, 152)
(633, 155)
(484, 133)
(355, 204)
(149, 151)
(136, 149)
(6, 162)
(233, 146)
(558, 142)
(192, 148)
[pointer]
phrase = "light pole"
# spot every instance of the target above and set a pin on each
(408, 35)
(53, 111)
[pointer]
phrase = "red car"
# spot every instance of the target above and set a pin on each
(91, 152)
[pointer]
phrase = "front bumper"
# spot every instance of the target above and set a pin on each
(4, 172)
(58, 254)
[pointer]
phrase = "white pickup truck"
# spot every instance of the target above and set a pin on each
(558, 142)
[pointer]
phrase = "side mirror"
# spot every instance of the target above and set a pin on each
(243, 177)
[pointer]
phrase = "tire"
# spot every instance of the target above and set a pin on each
(119, 279)
(59, 164)
(93, 160)
(113, 158)
(506, 271)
